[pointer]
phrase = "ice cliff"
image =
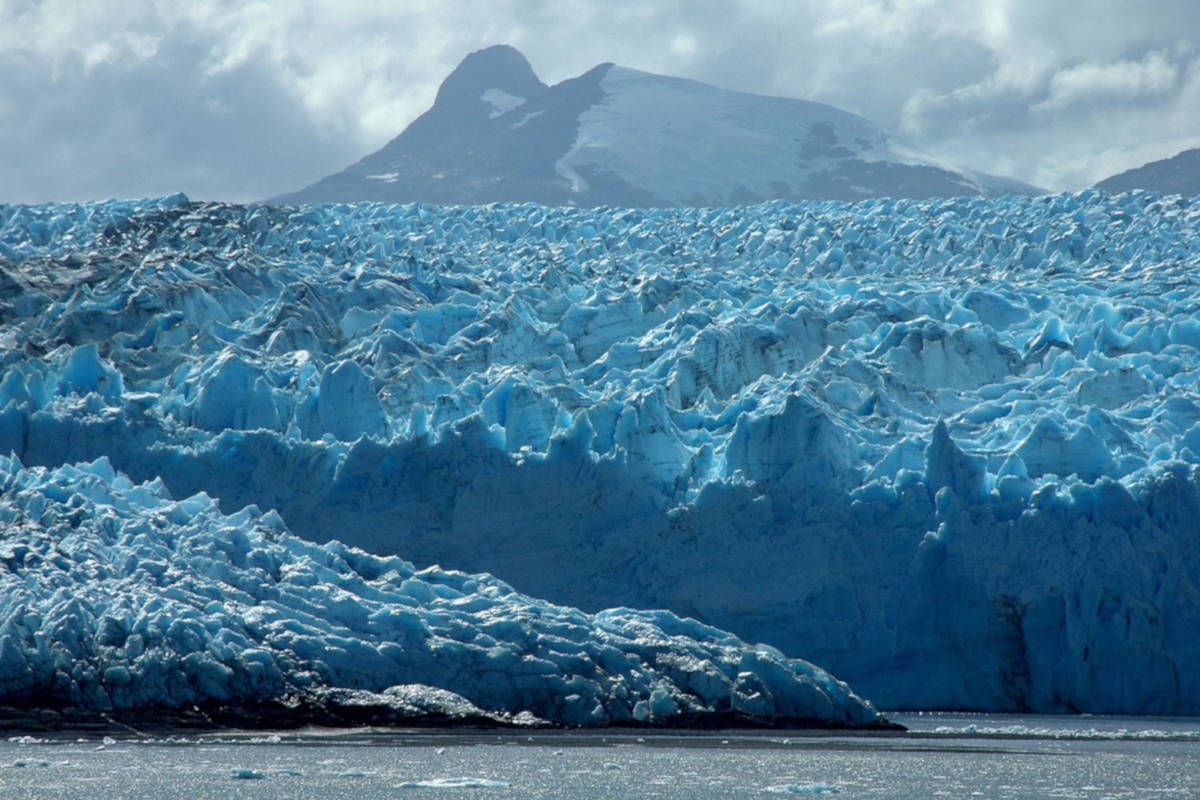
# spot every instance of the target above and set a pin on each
(947, 449)
(114, 597)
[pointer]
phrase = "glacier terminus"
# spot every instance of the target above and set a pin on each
(946, 449)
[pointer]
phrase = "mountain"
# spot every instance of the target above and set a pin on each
(619, 136)
(1179, 174)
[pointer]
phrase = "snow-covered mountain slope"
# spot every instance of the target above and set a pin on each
(617, 136)
(948, 450)
(1179, 174)
(113, 596)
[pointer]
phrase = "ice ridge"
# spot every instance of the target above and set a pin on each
(947, 449)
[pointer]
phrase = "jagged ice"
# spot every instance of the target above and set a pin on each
(946, 449)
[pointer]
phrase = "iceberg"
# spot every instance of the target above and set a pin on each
(115, 598)
(947, 449)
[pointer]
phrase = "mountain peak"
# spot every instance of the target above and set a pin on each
(500, 68)
(495, 57)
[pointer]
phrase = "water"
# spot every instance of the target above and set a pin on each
(943, 756)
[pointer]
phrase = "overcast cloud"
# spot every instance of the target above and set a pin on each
(240, 101)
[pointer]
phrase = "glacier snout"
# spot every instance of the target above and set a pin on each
(947, 449)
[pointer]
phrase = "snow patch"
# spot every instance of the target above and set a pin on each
(683, 140)
(531, 115)
(501, 102)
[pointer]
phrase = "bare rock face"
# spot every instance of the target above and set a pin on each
(1179, 174)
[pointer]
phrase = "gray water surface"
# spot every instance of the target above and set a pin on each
(943, 756)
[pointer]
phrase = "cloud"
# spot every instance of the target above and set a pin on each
(241, 101)
(106, 128)
(1119, 81)
(133, 114)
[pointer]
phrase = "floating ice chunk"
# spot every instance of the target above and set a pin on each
(247, 774)
(1050, 732)
(273, 738)
(803, 788)
(454, 783)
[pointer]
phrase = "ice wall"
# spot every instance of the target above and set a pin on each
(113, 596)
(946, 449)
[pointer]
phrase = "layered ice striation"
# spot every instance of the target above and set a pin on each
(113, 597)
(946, 449)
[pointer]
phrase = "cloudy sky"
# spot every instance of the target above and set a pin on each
(242, 100)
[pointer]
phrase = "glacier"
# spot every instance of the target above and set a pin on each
(115, 597)
(947, 449)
